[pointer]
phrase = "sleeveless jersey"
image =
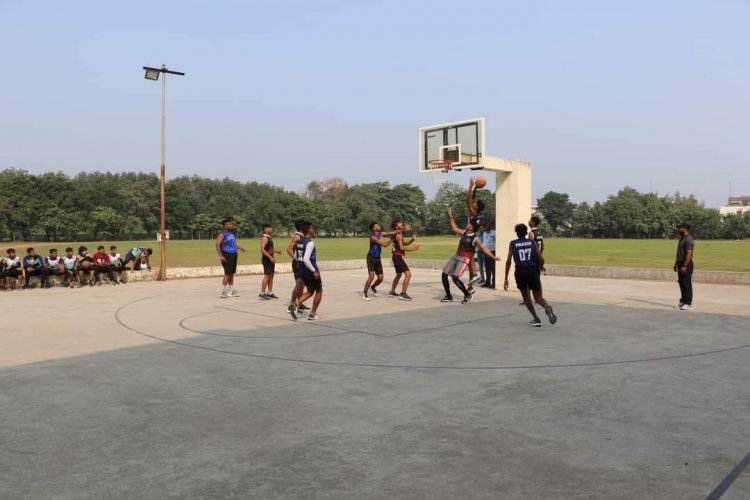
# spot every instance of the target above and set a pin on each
(13, 263)
(397, 250)
(523, 253)
(466, 245)
(538, 237)
(70, 262)
(229, 243)
(137, 251)
(54, 263)
(115, 259)
(269, 244)
(375, 248)
(299, 255)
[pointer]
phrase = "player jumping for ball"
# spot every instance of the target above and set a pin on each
(464, 255)
(476, 215)
(529, 262)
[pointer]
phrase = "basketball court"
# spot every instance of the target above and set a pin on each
(164, 390)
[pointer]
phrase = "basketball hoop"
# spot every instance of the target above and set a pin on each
(438, 170)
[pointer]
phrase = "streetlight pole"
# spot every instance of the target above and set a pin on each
(153, 74)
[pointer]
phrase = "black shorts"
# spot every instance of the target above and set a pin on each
(230, 263)
(85, 269)
(399, 263)
(268, 266)
(10, 273)
(312, 284)
(528, 278)
(55, 272)
(374, 265)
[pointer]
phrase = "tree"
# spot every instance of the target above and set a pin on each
(625, 214)
(106, 220)
(57, 223)
(736, 226)
(206, 225)
(557, 210)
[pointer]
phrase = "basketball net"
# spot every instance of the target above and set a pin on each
(439, 170)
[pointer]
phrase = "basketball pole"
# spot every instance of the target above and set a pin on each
(512, 199)
(162, 185)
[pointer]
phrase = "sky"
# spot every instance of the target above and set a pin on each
(598, 95)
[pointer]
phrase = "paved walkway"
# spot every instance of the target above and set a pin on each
(163, 390)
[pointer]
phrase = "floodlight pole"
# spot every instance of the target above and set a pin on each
(162, 185)
(151, 74)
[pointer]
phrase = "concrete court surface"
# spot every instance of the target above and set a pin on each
(165, 391)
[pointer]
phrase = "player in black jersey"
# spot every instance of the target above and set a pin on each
(525, 253)
(268, 259)
(536, 236)
(476, 217)
(464, 254)
(400, 247)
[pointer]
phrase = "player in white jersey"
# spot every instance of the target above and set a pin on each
(118, 266)
(55, 267)
(12, 269)
(70, 263)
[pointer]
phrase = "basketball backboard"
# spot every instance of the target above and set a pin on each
(460, 142)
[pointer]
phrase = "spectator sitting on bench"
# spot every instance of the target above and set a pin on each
(33, 265)
(102, 265)
(118, 268)
(85, 266)
(55, 266)
(13, 269)
(71, 263)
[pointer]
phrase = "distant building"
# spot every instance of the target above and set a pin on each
(736, 205)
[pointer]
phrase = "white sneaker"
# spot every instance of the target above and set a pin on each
(365, 298)
(686, 307)
(234, 293)
(223, 294)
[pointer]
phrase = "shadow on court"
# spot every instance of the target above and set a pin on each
(385, 399)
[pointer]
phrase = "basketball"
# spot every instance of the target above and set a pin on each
(481, 182)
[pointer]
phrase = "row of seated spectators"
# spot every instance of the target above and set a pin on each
(70, 270)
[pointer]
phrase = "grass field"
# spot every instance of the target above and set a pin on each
(709, 255)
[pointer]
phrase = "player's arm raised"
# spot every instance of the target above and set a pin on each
(470, 197)
(381, 241)
(406, 246)
(454, 226)
(388, 234)
(507, 265)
